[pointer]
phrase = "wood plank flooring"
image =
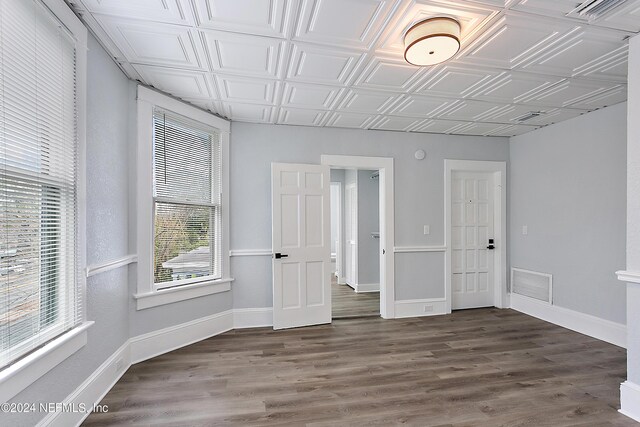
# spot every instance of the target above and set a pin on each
(485, 367)
(345, 302)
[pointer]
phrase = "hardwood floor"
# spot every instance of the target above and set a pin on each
(345, 302)
(485, 367)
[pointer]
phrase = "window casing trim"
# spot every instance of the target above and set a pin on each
(148, 293)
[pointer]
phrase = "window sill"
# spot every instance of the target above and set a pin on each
(29, 369)
(171, 295)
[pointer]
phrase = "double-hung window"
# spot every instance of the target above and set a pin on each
(182, 201)
(186, 206)
(41, 226)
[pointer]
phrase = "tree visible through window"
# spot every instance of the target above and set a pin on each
(187, 200)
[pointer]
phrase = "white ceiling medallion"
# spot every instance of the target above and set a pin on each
(432, 41)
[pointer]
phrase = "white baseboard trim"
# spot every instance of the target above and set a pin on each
(252, 317)
(342, 280)
(146, 346)
(367, 287)
(420, 307)
(605, 330)
(630, 400)
(92, 390)
(155, 343)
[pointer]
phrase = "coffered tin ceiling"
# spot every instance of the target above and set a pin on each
(340, 63)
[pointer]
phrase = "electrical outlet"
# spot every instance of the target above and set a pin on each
(427, 229)
(428, 308)
(525, 230)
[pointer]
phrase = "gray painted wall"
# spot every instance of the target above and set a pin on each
(107, 227)
(419, 195)
(368, 222)
(567, 183)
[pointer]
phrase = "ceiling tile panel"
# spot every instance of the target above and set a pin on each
(403, 124)
(242, 54)
(472, 17)
(569, 93)
(154, 43)
(180, 83)
(366, 101)
(304, 95)
(512, 87)
(440, 126)
(515, 39)
(249, 112)
(343, 23)
(612, 67)
(295, 116)
(454, 80)
(480, 129)
(421, 106)
(350, 120)
(207, 104)
(571, 56)
(168, 11)
(471, 110)
(512, 130)
(388, 74)
(265, 17)
(247, 90)
(603, 99)
(322, 64)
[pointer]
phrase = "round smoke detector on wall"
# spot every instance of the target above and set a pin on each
(420, 154)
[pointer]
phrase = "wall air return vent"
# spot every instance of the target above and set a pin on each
(594, 9)
(530, 115)
(532, 284)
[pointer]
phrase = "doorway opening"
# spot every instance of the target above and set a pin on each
(355, 243)
(374, 170)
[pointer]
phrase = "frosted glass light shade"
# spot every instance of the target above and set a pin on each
(432, 41)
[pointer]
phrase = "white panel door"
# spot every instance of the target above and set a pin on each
(471, 230)
(301, 245)
(351, 234)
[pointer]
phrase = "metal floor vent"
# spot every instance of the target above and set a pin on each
(532, 284)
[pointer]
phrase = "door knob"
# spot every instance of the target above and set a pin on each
(279, 255)
(491, 247)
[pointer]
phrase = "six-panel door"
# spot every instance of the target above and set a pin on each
(301, 235)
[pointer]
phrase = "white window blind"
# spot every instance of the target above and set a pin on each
(187, 201)
(40, 297)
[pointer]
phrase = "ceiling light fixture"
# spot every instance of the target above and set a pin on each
(432, 41)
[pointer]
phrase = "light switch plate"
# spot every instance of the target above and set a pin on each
(427, 229)
(525, 230)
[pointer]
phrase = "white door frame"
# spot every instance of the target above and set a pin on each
(352, 268)
(499, 170)
(340, 241)
(387, 262)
